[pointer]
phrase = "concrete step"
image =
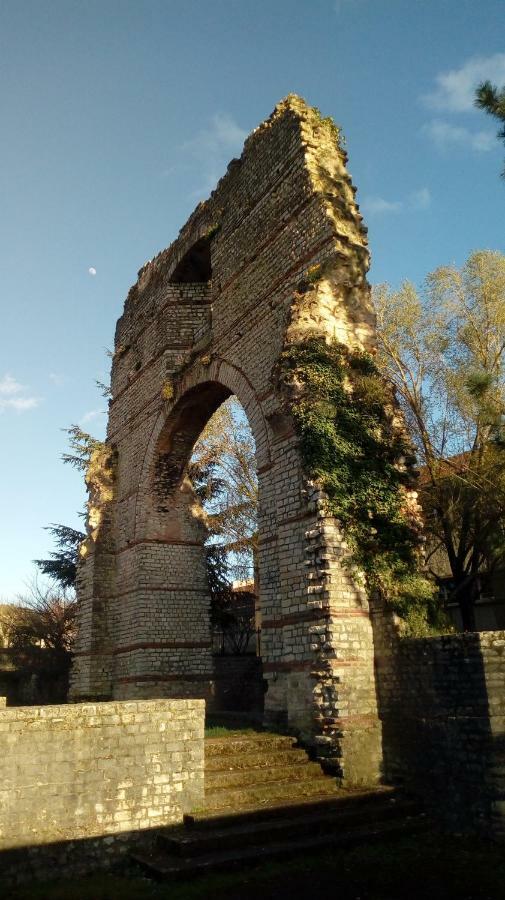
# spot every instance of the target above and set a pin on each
(258, 742)
(195, 841)
(227, 780)
(162, 866)
(226, 762)
(269, 792)
(289, 806)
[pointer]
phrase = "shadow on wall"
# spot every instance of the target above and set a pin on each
(72, 858)
(442, 706)
(33, 678)
(102, 776)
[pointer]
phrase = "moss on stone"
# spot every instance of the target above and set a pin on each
(167, 390)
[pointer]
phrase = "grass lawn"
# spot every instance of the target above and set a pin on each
(217, 725)
(431, 867)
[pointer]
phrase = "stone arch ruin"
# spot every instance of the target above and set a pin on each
(207, 318)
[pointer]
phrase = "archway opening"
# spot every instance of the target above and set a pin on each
(195, 267)
(222, 469)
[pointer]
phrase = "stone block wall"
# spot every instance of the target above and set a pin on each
(95, 772)
(209, 317)
(442, 705)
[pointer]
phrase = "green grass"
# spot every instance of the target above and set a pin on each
(427, 867)
(214, 731)
(217, 725)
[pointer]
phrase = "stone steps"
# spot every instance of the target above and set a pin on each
(238, 761)
(283, 809)
(244, 771)
(265, 799)
(259, 742)
(249, 777)
(291, 822)
(268, 792)
(202, 850)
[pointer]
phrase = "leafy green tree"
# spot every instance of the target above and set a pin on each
(492, 100)
(443, 349)
(223, 471)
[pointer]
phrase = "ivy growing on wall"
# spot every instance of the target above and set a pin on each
(355, 451)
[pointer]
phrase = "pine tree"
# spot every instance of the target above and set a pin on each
(492, 100)
(62, 566)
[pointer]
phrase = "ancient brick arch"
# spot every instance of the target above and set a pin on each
(276, 255)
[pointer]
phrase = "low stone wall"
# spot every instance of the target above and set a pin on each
(442, 705)
(94, 777)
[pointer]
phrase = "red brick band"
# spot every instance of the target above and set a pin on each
(133, 679)
(301, 665)
(348, 722)
(163, 645)
(314, 615)
(307, 615)
(167, 542)
(179, 588)
(298, 665)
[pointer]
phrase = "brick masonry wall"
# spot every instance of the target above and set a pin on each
(442, 706)
(181, 348)
(93, 774)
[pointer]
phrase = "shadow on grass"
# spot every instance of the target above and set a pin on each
(427, 867)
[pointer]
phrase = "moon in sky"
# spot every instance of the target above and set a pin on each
(92, 270)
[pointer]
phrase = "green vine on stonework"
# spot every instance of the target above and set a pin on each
(212, 230)
(314, 273)
(329, 122)
(353, 450)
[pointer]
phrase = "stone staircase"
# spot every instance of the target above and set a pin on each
(264, 800)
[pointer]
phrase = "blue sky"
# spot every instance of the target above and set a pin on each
(118, 116)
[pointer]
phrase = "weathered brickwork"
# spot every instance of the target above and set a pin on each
(70, 774)
(209, 318)
(442, 705)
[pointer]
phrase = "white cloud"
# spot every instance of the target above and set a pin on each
(375, 205)
(420, 199)
(224, 132)
(91, 415)
(455, 90)
(9, 386)
(13, 395)
(21, 403)
(213, 147)
(92, 270)
(445, 135)
(413, 202)
(56, 379)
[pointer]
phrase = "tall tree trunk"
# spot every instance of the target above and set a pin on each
(467, 596)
